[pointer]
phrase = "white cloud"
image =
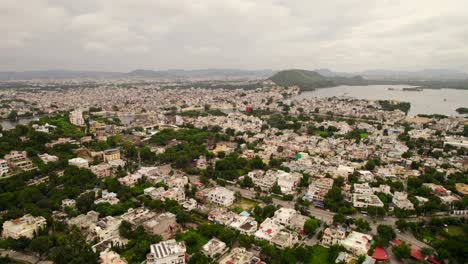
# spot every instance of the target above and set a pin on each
(126, 34)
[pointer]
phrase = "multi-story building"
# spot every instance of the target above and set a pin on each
(221, 196)
(332, 236)
(366, 200)
(79, 162)
(25, 226)
(214, 248)
(167, 252)
(76, 118)
(3, 168)
(111, 154)
(400, 200)
(19, 160)
(357, 243)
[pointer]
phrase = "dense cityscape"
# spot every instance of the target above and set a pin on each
(141, 171)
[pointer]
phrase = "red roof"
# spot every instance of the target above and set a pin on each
(380, 254)
(416, 254)
(433, 260)
(395, 241)
(269, 231)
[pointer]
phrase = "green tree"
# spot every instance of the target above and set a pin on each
(310, 226)
(385, 233)
(402, 251)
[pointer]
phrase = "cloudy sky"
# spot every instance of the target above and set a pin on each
(121, 35)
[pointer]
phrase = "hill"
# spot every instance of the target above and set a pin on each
(306, 80)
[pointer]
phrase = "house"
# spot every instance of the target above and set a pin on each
(288, 181)
(110, 257)
(107, 197)
(177, 194)
(111, 154)
(167, 252)
(357, 243)
(76, 118)
(221, 196)
(240, 256)
(272, 231)
(363, 188)
(79, 162)
(154, 223)
(68, 203)
(102, 170)
(400, 200)
(3, 168)
(18, 160)
(46, 158)
(262, 180)
(25, 226)
(214, 248)
(244, 223)
(317, 191)
(130, 180)
(332, 235)
(365, 200)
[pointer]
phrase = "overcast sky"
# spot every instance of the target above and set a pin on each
(121, 35)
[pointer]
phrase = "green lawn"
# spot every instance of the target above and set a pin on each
(364, 135)
(455, 230)
(243, 205)
(319, 255)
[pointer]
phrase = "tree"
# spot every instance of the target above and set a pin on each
(402, 251)
(199, 258)
(362, 225)
(40, 245)
(247, 182)
(385, 234)
(339, 218)
(276, 189)
(310, 226)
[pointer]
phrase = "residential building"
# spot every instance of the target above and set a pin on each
(167, 252)
(357, 243)
(111, 154)
(333, 235)
(214, 248)
(400, 200)
(221, 196)
(25, 226)
(365, 200)
(3, 168)
(79, 162)
(102, 170)
(18, 160)
(240, 256)
(110, 257)
(107, 197)
(46, 158)
(76, 118)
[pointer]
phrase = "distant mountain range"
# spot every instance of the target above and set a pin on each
(310, 80)
(140, 73)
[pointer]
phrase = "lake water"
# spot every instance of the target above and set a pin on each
(428, 101)
(7, 124)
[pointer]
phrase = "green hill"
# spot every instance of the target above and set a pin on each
(306, 80)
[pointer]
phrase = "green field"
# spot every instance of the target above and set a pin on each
(243, 205)
(319, 255)
(455, 230)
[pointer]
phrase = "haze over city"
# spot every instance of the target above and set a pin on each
(119, 35)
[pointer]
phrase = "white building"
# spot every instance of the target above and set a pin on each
(25, 226)
(3, 168)
(400, 200)
(357, 243)
(107, 197)
(46, 158)
(365, 200)
(167, 252)
(79, 162)
(363, 188)
(221, 196)
(76, 118)
(214, 247)
(110, 257)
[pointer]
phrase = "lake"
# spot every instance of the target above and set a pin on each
(428, 101)
(7, 124)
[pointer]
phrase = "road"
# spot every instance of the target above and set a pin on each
(327, 217)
